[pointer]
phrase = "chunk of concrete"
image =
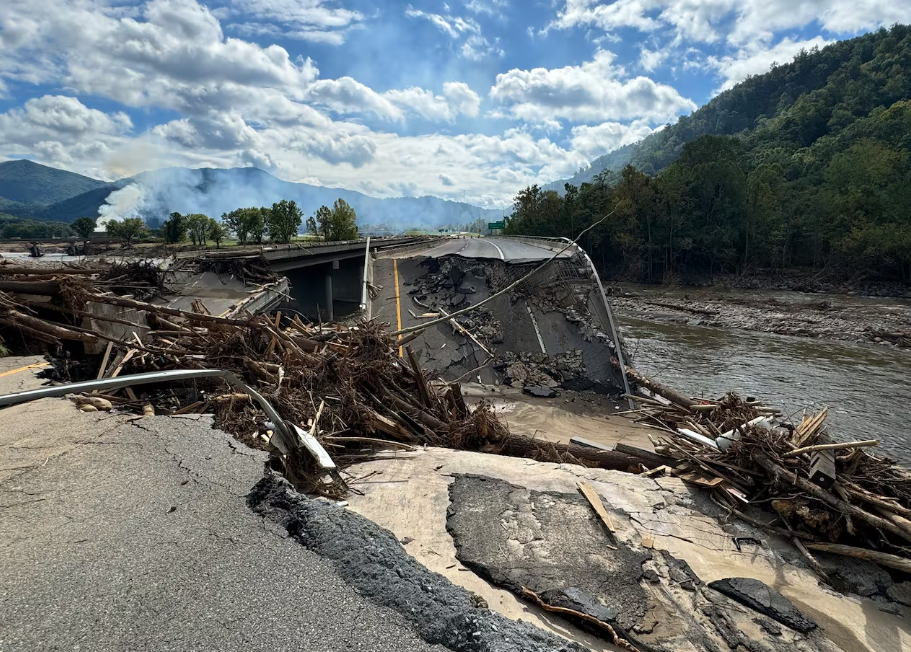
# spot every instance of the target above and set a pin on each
(764, 599)
(540, 391)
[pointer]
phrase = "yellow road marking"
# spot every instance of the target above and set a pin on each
(398, 303)
(25, 368)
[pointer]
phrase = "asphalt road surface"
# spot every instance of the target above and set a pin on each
(505, 249)
(119, 533)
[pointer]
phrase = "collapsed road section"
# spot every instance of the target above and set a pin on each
(552, 330)
(694, 544)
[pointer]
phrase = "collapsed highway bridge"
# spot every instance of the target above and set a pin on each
(553, 330)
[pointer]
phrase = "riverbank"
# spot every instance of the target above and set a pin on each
(834, 317)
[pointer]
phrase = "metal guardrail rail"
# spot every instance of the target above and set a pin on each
(287, 437)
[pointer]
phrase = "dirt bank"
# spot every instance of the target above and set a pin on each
(831, 317)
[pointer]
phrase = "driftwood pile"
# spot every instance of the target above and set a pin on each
(347, 386)
(826, 496)
(899, 338)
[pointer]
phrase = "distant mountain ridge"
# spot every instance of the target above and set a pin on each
(44, 193)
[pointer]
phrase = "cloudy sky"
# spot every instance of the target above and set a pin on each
(464, 99)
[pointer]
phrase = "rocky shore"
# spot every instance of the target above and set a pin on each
(832, 317)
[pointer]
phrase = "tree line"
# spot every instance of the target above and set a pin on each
(280, 223)
(711, 212)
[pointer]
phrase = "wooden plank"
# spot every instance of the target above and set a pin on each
(595, 501)
(828, 447)
(278, 319)
(660, 470)
(104, 360)
(119, 367)
(419, 377)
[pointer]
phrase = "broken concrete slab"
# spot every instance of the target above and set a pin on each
(553, 545)
(550, 543)
(409, 494)
(373, 560)
(764, 599)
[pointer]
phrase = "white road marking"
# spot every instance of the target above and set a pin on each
(502, 257)
(534, 323)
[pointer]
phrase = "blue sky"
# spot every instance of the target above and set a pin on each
(465, 99)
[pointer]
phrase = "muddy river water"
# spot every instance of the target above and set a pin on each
(866, 386)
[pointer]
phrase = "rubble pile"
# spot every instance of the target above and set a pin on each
(835, 497)
(539, 370)
(444, 285)
(483, 325)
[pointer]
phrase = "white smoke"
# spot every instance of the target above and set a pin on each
(126, 202)
(152, 196)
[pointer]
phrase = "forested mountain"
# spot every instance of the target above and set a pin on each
(25, 182)
(820, 93)
(808, 165)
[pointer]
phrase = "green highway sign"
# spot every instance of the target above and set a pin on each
(496, 225)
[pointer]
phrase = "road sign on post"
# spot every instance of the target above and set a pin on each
(496, 225)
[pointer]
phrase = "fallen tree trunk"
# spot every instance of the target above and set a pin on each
(518, 446)
(163, 310)
(46, 271)
(658, 388)
(881, 558)
(15, 318)
(31, 287)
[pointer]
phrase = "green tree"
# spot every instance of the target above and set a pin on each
(217, 232)
(285, 219)
(198, 226)
(247, 224)
(84, 227)
(174, 228)
(333, 224)
(127, 230)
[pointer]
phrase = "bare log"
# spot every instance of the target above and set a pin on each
(658, 388)
(152, 308)
(881, 558)
(519, 446)
(14, 317)
(830, 447)
(47, 288)
(46, 271)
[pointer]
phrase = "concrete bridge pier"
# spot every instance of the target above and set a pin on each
(327, 291)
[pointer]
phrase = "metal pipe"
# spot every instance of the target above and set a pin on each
(366, 268)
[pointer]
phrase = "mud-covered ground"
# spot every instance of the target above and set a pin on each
(847, 318)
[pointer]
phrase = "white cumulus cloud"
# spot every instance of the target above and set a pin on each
(595, 91)
(739, 22)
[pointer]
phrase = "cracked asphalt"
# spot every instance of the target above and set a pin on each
(120, 533)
